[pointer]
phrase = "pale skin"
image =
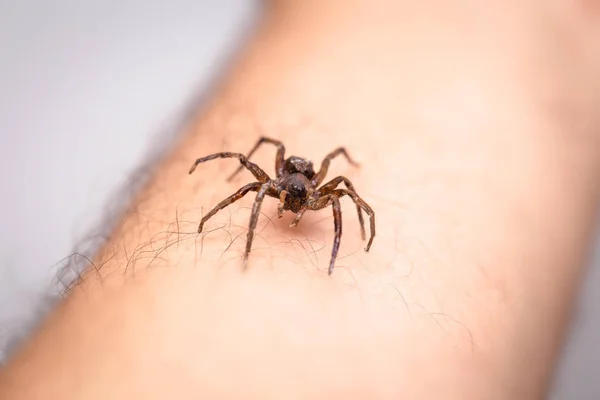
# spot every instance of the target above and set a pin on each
(476, 127)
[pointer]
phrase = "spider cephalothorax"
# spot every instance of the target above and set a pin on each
(297, 188)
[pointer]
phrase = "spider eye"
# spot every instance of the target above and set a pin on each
(297, 190)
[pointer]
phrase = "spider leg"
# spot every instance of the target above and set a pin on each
(260, 196)
(360, 202)
(316, 181)
(279, 158)
(282, 196)
(331, 185)
(337, 223)
(258, 173)
(321, 203)
(299, 215)
(231, 199)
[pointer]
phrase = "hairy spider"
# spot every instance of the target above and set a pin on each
(296, 187)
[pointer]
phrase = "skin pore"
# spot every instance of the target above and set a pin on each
(475, 128)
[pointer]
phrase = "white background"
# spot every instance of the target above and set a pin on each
(85, 88)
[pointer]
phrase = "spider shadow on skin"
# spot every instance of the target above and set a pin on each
(273, 235)
(312, 237)
(306, 235)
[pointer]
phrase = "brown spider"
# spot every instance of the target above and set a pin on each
(296, 187)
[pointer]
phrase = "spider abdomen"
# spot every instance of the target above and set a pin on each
(300, 165)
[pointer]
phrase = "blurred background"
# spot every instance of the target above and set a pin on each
(86, 88)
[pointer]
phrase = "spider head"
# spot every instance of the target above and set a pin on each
(297, 165)
(297, 187)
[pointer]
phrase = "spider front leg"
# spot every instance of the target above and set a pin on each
(231, 199)
(258, 173)
(260, 196)
(337, 223)
(334, 183)
(360, 202)
(279, 158)
(321, 203)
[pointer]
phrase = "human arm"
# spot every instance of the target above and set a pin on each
(468, 140)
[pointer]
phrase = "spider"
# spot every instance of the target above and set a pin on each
(297, 188)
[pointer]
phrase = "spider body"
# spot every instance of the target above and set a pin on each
(297, 187)
(297, 190)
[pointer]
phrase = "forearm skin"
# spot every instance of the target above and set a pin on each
(478, 153)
